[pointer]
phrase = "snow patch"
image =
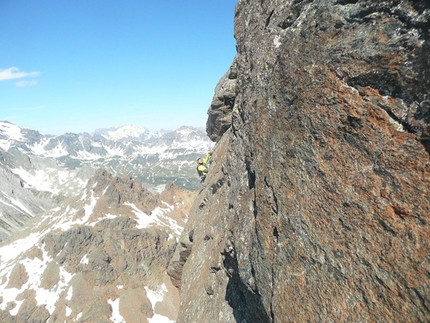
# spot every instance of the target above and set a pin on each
(11, 251)
(105, 217)
(15, 311)
(38, 179)
(114, 151)
(116, 316)
(84, 260)
(88, 209)
(44, 296)
(39, 148)
(125, 132)
(157, 217)
(69, 294)
(64, 221)
(11, 131)
(87, 156)
(5, 144)
(156, 296)
(35, 269)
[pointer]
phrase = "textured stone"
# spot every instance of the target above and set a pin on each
(316, 206)
(219, 113)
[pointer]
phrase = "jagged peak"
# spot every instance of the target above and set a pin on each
(124, 132)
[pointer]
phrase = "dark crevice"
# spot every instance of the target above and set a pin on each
(361, 15)
(405, 125)
(251, 176)
(217, 185)
(388, 85)
(426, 143)
(381, 282)
(294, 13)
(344, 2)
(276, 233)
(289, 20)
(268, 18)
(203, 203)
(275, 209)
(246, 304)
(355, 122)
(387, 227)
(344, 225)
(421, 299)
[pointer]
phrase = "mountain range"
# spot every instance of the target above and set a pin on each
(152, 157)
(39, 171)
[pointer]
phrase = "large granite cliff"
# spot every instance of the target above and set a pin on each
(316, 207)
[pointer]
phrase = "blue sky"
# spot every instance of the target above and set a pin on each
(75, 66)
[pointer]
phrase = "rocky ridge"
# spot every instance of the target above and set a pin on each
(316, 207)
(100, 257)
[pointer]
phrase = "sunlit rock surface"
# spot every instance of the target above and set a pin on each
(316, 207)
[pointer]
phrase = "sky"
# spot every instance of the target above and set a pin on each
(81, 65)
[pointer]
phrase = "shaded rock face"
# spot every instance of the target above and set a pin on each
(316, 206)
(219, 113)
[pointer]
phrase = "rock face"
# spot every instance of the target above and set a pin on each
(221, 108)
(316, 207)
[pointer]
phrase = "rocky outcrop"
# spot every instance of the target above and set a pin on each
(100, 258)
(316, 206)
(219, 113)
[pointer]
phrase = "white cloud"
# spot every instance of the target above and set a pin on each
(14, 73)
(26, 83)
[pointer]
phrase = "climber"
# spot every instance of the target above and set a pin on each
(202, 166)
